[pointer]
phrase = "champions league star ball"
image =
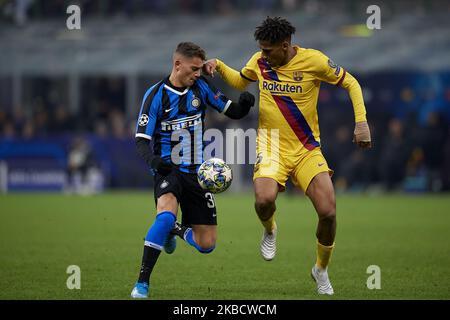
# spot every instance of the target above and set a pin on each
(214, 175)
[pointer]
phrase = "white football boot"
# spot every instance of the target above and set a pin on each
(320, 276)
(269, 244)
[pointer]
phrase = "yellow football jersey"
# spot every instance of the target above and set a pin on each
(288, 97)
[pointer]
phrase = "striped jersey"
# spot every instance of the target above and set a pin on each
(173, 119)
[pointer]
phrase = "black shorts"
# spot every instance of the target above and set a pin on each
(197, 205)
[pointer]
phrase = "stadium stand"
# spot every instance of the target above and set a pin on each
(59, 84)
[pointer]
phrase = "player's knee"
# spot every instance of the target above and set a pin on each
(264, 203)
(327, 210)
(167, 202)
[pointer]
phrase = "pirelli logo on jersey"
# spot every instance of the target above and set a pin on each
(277, 87)
(182, 123)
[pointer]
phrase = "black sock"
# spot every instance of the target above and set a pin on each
(148, 262)
(179, 230)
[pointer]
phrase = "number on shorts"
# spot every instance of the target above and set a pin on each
(210, 198)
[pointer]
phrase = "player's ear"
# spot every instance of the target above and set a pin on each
(177, 64)
(285, 45)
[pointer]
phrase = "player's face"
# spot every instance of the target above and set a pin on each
(274, 53)
(189, 70)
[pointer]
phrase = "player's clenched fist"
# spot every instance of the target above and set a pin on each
(163, 168)
(209, 67)
(361, 135)
(246, 99)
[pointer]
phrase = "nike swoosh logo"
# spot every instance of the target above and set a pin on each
(267, 70)
(168, 110)
(321, 164)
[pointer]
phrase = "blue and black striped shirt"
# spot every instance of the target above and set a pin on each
(174, 119)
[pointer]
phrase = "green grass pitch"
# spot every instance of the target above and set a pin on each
(407, 236)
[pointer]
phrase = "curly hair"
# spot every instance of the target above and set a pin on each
(274, 30)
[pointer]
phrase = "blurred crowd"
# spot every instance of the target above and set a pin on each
(19, 11)
(410, 152)
(406, 154)
(102, 113)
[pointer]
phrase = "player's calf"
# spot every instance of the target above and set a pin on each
(265, 207)
(156, 236)
(170, 244)
(154, 242)
(326, 228)
(187, 234)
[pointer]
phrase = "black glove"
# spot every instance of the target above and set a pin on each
(242, 108)
(163, 168)
(246, 99)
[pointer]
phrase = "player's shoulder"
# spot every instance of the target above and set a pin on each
(154, 88)
(202, 79)
(152, 92)
(256, 55)
(312, 59)
(311, 53)
(202, 82)
(254, 58)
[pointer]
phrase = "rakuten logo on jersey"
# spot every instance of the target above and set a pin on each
(276, 87)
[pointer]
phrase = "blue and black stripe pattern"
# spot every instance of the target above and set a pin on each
(174, 119)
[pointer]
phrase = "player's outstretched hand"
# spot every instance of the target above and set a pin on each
(361, 135)
(246, 99)
(209, 67)
(163, 168)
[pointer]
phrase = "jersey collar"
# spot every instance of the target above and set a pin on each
(177, 90)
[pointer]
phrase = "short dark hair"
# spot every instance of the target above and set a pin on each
(190, 50)
(274, 30)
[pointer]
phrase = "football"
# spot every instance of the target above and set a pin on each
(215, 175)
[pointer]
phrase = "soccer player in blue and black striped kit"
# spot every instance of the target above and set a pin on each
(172, 116)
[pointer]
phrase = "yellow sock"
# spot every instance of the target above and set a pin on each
(323, 255)
(269, 224)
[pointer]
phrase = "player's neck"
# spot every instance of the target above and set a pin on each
(291, 54)
(175, 83)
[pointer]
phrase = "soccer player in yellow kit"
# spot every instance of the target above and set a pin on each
(288, 143)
